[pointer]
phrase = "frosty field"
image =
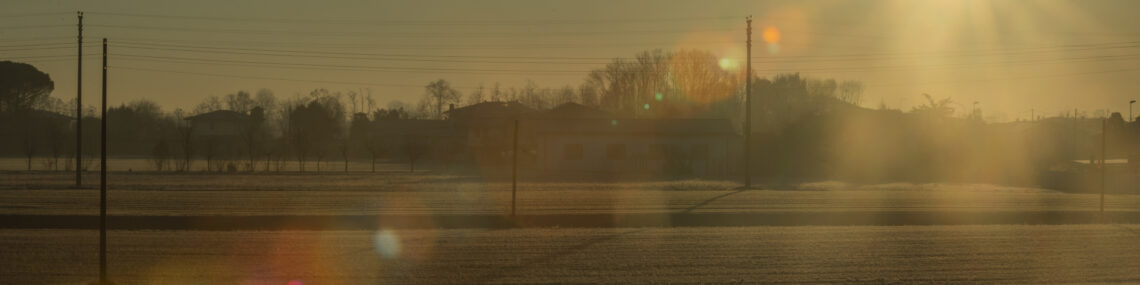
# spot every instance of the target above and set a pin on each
(873, 254)
(400, 228)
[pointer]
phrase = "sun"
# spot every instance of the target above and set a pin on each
(771, 35)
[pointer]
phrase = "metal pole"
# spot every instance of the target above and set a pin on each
(79, 107)
(1130, 117)
(748, 110)
(515, 169)
(103, 177)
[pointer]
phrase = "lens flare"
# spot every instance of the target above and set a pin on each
(771, 35)
(386, 243)
(728, 64)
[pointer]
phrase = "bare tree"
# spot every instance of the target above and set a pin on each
(822, 87)
(252, 135)
(476, 96)
(314, 127)
(30, 139)
(184, 133)
(497, 93)
(438, 94)
(565, 95)
(240, 102)
(160, 154)
(210, 104)
(851, 92)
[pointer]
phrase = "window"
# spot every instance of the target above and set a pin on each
(572, 152)
(700, 152)
(615, 151)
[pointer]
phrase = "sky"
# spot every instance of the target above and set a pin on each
(1014, 58)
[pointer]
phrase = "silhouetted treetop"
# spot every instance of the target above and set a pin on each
(22, 86)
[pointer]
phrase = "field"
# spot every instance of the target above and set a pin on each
(394, 227)
(874, 254)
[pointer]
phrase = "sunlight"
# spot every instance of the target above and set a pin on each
(771, 35)
(728, 64)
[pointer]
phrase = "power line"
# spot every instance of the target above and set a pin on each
(985, 52)
(291, 54)
(16, 15)
(417, 22)
(265, 78)
(319, 55)
(1121, 70)
(794, 59)
(44, 48)
(349, 67)
(988, 63)
(407, 34)
(33, 39)
(128, 42)
(37, 45)
(306, 66)
(37, 57)
(988, 52)
(35, 27)
(462, 70)
(441, 46)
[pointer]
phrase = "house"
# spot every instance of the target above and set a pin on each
(403, 139)
(486, 130)
(665, 147)
(577, 138)
(218, 124)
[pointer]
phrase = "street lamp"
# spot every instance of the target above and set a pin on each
(1130, 117)
(975, 111)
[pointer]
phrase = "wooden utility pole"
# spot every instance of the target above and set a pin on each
(748, 111)
(79, 108)
(515, 169)
(103, 177)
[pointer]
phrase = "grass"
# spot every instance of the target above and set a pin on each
(399, 193)
(1003, 254)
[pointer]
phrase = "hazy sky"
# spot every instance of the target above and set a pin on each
(1010, 56)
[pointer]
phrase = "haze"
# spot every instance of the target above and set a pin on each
(1014, 58)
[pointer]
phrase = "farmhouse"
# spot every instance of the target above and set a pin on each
(577, 138)
(669, 147)
(436, 139)
(218, 124)
(486, 130)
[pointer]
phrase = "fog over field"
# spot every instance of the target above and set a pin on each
(511, 141)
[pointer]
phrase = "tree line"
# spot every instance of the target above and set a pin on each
(805, 128)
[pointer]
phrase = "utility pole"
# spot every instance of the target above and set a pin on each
(79, 108)
(103, 177)
(515, 169)
(1103, 160)
(1131, 119)
(748, 111)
